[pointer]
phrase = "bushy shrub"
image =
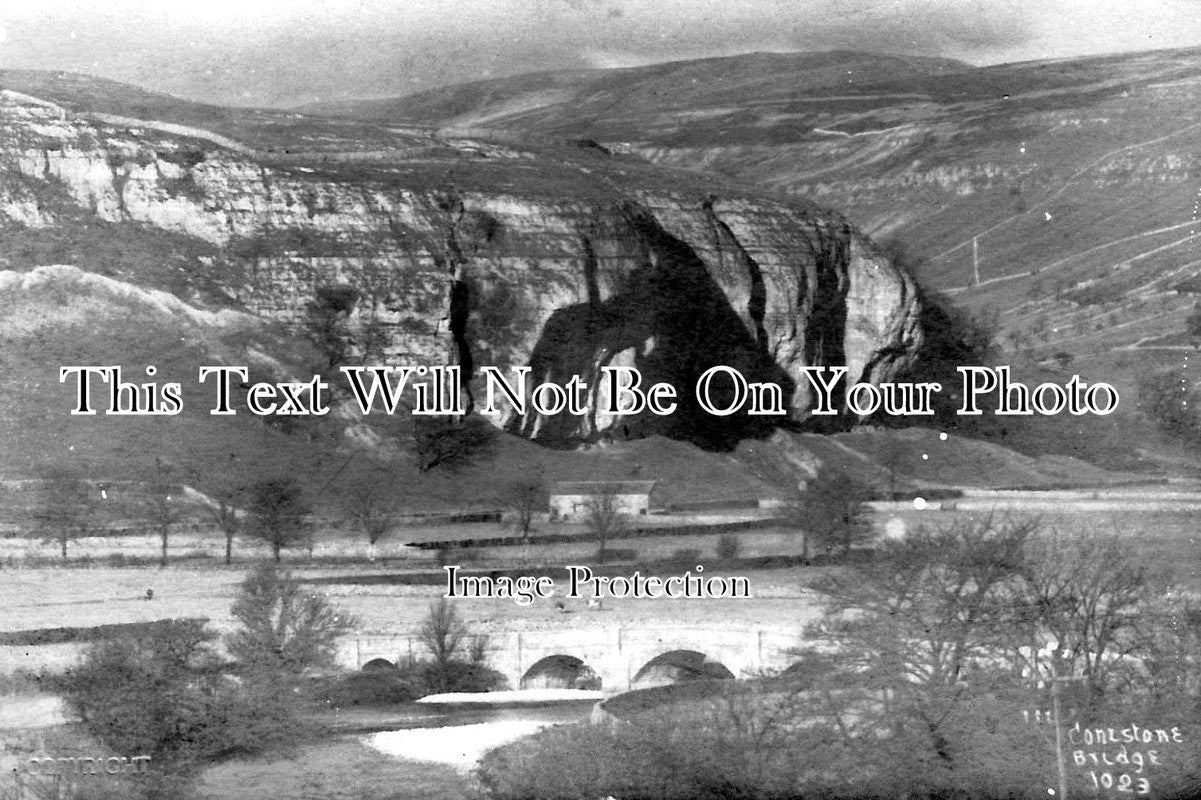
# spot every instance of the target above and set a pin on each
(161, 692)
(284, 630)
(1097, 294)
(600, 761)
(618, 554)
(184, 186)
(384, 688)
(21, 682)
(673, 754)
(458, 676)
(367, 689)
(186, 157)
(764, 740)
(727, 546)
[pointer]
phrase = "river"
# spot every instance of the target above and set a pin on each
(459, 735)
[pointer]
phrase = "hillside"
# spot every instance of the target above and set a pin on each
(584, 102)
(178, 245)
(268, 130)
(1057, 201)
(565, 257)
(63, 315)
(1077, 179)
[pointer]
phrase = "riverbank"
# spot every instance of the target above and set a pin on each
(343, 768)
(422, 715)
(405, 753)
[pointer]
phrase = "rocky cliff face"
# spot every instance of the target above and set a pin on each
(575, 268)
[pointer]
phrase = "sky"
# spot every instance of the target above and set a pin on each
(288, 52)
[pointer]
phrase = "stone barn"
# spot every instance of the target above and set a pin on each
(569, 500)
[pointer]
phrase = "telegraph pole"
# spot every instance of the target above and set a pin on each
(1057, 721)
(1059, 759)
(976, 258)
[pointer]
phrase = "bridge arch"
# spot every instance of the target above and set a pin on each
(616, 653)
(677, 666)
(379, 665)
(560, 671)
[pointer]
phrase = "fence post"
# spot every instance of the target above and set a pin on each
(358, 653)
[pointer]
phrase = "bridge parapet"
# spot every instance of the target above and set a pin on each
(617, 654)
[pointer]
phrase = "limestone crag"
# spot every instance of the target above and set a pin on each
(566, 273)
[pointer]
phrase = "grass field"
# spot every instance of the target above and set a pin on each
(1160, 528)
(338, 768)
(1167, 542)
(343, 769)
(1164, 530)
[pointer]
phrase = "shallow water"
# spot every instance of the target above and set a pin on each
(460, 736)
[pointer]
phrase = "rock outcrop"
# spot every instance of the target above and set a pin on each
(562, 265)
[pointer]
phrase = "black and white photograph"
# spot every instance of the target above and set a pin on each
(600, 400)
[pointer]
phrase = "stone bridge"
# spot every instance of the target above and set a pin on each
(612, 659)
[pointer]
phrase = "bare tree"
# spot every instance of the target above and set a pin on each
(225, 513)
(371, 504)
(1172, 410)
(224, 499)
(478, 648)
(1088, 596)
(931, 603)
(603, 518)
(66, 507)
(327, 323)
(945, 621)
(795, 514)
(891, 456)
(278, 509)
(451, 443)
(914, 624)
(525, 496)
(443, 634)
(832, 511)
(163, 503)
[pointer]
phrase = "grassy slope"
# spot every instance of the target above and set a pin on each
(62, 317)
(932, 155)
(66, 317)
(73, 318)
(596, 95)
(922, 459)
(1077, 178)
(260, 128)
(338, 770)
(147, 258)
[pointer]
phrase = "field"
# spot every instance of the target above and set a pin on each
(1167, 545)
(1160, 524)
(105, 595)
(339, 768)
(1057, 203)
(342, 769)
(1161, 527)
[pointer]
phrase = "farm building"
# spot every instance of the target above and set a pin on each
(569, 499)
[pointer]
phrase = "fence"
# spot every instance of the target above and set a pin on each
(692, 529)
